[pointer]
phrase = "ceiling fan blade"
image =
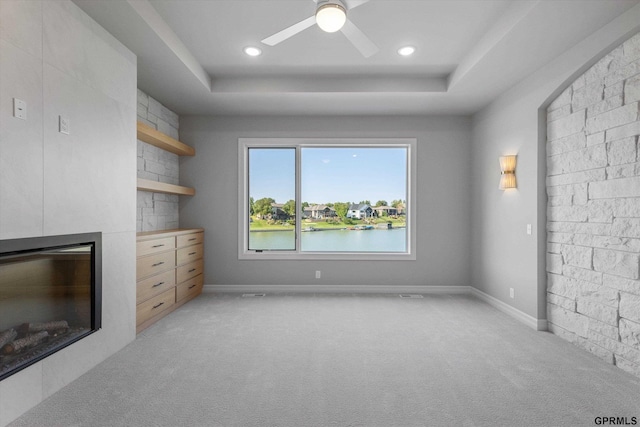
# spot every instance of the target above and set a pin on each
(359, 39)
(289, 32)
(352, 4)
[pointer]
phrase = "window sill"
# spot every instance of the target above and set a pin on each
(319, 256)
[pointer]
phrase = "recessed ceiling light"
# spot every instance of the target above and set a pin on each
(406, 51)
(252, 51)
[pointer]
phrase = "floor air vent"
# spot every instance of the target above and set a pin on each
(411, 296)
(252, 295)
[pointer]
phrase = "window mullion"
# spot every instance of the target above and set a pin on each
(298, 237)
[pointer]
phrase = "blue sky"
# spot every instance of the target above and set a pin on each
(272, 173)
(329, 174)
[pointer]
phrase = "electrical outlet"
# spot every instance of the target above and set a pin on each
(511, 292)
(529, 229)
(19, 109)
(318, 274)
(63, 125)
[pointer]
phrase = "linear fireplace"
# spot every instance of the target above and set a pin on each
(50, 296)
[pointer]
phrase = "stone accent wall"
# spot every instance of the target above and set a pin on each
(157, 211)
(593, 211)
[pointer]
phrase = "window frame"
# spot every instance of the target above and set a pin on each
(298, 143)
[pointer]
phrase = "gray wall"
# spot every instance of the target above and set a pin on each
(59, 61)
(503, 255)
(443, 202)
(593, 218)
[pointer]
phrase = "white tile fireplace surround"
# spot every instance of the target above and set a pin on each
(60, 62)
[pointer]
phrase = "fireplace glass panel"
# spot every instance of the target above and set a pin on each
(47, 300)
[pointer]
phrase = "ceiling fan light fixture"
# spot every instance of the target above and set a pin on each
(331, 17)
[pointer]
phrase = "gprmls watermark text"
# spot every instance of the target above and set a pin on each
(616, 421)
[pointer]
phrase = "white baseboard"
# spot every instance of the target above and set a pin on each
(532, 322)
(351, 289)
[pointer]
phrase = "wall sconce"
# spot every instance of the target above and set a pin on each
(507, 172)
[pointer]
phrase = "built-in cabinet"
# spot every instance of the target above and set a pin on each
(169, 269)
(169, 263)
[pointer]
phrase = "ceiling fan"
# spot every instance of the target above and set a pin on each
(331, 16)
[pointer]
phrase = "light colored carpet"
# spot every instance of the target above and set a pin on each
(342, 360)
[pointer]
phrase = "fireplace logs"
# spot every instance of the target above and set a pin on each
(7, 336)
(19, 348)
(29, 335)
(28, 341)
(55, 325)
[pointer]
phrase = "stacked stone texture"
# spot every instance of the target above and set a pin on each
(157, 211)
(593, 211)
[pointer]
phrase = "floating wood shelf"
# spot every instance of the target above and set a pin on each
(162, 187)
(160, 140)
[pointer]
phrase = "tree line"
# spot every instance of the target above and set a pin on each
(264, 206)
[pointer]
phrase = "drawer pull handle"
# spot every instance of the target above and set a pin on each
(157, 246)
(157, 284)
(158, 305)
(192, 253)
(157, 264)
(192, 270)
(192, 239)
(192, 286)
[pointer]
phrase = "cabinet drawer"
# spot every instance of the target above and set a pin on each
(189, 254)
(153, 264)
(187, 271)
(147, 247)
(189, 239)
(190, 288)
(155, 285)
(155, 305)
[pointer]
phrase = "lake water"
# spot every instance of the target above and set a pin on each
(393, 240)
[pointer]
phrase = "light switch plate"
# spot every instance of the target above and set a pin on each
(63, 125)
(19, 109)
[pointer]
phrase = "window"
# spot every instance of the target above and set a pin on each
(272, 193)
(327, 198)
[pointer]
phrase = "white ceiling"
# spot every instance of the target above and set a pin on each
(468, 51)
